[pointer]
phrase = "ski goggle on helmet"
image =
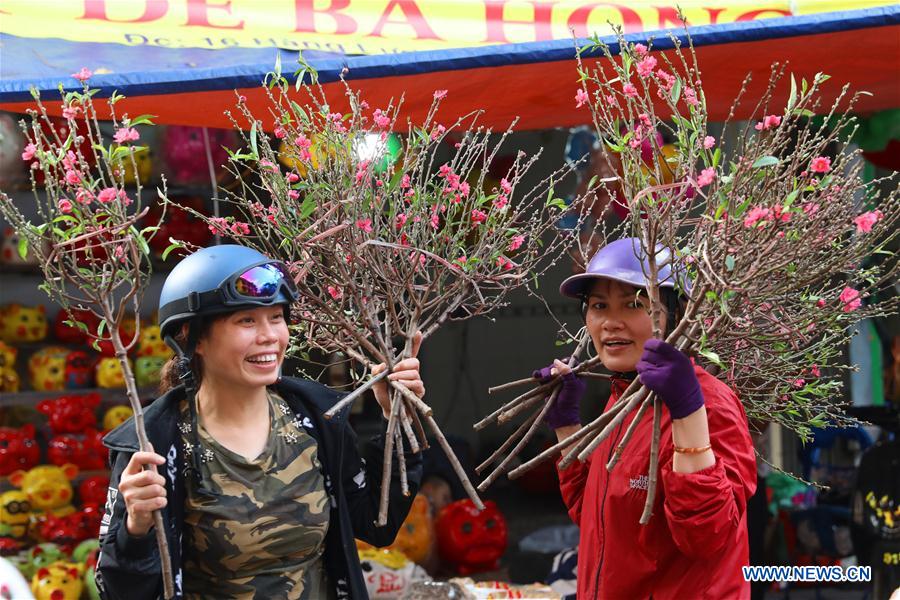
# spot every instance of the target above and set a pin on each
(221, 279)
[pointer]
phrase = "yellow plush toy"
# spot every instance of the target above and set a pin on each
(109, 373)
(415, 540)
(151, 344)
(59, 581)
(115, 416)
(47, 368)
(9, 379)
(15, 511)
(23, 323)
(48, 488)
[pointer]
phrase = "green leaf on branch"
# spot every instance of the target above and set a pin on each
(790, 199)
(675, 92)
(103, 151)
(729, 262)
(765, 161)
(172, 246)
(253, 146)
(141, 242)
(308, 206)
(711, 357)
(23, 247)
(792, 99)
(142, 120)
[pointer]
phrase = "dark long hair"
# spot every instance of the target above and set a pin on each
(168, 376)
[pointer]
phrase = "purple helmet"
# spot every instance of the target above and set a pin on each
(622, 261)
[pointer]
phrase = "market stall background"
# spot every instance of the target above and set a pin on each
(185, 61)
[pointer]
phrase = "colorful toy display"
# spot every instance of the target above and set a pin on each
(12, 143)
(126, 334)
(110, 374)
(9, 250)
(20, 324)
(115, 416)
(48, 487)
(388, 573)
(81, 451)
(9, 378)
(47, 368)
(185, 153)
(151, 344)
(58, 581)
(148, 369)
(143, 159)
(79, 371)
(92, 490)
(15, 514)
(39, 557)
(71, 413)
(416, 536)
(470, 539)
(69, 530)
(19, 449)
(179, 224)
(69, 334)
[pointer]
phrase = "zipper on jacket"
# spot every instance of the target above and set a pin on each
(602, 507)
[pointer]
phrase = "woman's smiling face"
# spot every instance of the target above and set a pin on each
(618, 320)
(245, 348)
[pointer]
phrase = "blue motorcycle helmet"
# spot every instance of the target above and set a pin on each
(221, 279)
(215, 281)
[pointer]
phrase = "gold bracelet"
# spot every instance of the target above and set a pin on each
(693, 450)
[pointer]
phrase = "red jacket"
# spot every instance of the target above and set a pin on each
(696, 541)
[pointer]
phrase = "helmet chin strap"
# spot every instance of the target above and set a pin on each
(188, 378)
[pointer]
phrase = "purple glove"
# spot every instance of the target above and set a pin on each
(668, 372)
(564, 410)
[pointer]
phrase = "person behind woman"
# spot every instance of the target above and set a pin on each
(261, 496)
(696, 541)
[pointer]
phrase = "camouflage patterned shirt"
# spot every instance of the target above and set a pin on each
(257, 529)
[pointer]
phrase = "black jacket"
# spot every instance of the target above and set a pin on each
(129, 567)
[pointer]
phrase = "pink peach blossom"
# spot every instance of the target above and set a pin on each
(83, 75)
(581, 98)
(850, 298)
(865, 221)
(820, 164)
(126, 134)
(516, 243)
(646, 66)
(768, 122)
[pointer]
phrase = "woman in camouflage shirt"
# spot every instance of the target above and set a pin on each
(260, 494)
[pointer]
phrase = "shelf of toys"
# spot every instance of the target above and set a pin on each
(59, 393)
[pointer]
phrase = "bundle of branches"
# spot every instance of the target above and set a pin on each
(386, 238)
(780, 247)
(93, 255)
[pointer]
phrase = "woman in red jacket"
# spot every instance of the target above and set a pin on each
(696, 542)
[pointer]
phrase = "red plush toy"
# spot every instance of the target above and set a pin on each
(68, 448)
(469, 539)
(79, 370)
(67, 531)
(71, 414)
(92, 490)
(180, 225)
(18, 449)
(73, 335)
